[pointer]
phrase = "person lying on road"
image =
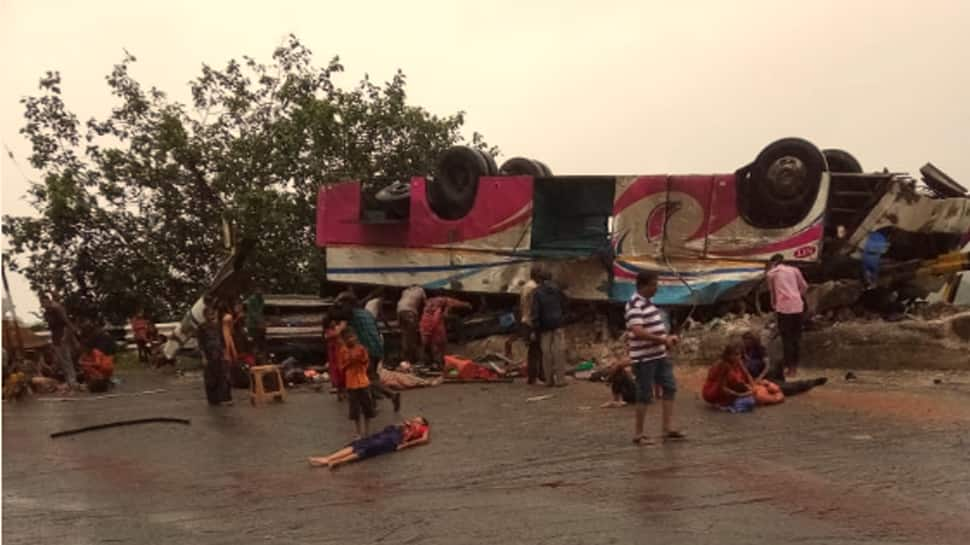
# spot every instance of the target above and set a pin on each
(410, 433)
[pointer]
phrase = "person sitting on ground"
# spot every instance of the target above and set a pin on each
(354, 360)
(410, 433)
(759, 366)
(622, 385)
(97, 358)
(738, 378)
(728, 384)
(15, 382)
(156, 342)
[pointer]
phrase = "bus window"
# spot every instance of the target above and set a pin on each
(572, 214)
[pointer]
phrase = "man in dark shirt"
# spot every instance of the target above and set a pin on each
(256, 321)
(62, 337)
(548, 307)
(209, 336)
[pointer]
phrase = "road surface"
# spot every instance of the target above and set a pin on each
(885, 459)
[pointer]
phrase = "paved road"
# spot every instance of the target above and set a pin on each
(877, 461)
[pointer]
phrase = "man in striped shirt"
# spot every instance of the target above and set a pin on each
(648, 342)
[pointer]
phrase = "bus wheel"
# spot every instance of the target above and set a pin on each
(842, 161)
(491, 169)
(546, 171)
(780, 187)
(520, 166)
(395, 198)
(451, 194)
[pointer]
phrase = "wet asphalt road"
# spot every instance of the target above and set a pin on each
(870, 462)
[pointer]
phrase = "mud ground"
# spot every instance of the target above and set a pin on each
(885, 459)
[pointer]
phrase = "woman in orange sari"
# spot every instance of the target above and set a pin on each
(97, 358)
(729, 380)
(728, 385)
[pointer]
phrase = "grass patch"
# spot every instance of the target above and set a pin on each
(127, 360)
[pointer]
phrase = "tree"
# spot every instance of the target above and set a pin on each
(131, 206)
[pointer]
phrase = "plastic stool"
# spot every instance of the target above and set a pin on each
(257, 393)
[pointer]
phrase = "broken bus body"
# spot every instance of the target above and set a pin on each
(475, 228)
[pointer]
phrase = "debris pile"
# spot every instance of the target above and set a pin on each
(927, 335)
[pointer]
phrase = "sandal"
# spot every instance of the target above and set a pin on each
(674, 435)
(642, 440)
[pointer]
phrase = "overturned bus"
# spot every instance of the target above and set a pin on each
(475, 227)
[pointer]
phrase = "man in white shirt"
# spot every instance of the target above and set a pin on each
(648, 342)
(534, 361)
(409, 310)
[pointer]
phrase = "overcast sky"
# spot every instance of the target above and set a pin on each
(588, 87)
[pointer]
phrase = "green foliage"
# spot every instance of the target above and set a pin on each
(131, 206)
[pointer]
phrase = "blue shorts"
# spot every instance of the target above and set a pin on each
(656, 371)
(381, 442)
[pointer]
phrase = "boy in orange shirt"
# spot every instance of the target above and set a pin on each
(353, 360)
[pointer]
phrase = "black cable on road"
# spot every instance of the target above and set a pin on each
(121, 423)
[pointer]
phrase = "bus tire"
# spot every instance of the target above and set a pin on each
(395, 191)
(395, 199)
(491, 169)
(451, 194)
(842, 161)
(546, 171)
(780, 187)
(521, 166)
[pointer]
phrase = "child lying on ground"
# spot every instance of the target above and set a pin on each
(409, 433)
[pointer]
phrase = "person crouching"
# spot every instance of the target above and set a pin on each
(97, 359)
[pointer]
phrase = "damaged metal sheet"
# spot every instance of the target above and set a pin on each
(938, 181)
(902, 208)
(226, 285)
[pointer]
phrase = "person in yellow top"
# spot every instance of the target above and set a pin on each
(353, 360)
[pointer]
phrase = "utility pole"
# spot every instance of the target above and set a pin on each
(13, 342)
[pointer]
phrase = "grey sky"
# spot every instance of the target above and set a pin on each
(587, 87)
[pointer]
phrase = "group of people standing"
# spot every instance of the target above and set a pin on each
(231, 339)
(355, 346)
(542, 306)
